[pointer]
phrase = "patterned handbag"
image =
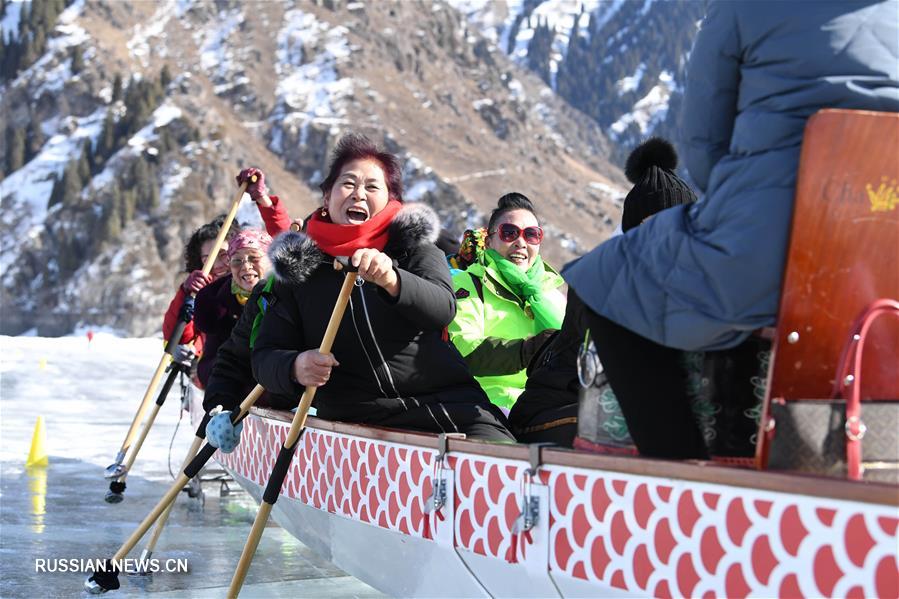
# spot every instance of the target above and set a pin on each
(829, 436)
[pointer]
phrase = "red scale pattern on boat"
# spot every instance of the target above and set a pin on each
(827, 571)
(763, 559)
(886, 577)
(640, 534)
(858, 540)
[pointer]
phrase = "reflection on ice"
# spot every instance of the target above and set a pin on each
(87, 396)
(37, 484)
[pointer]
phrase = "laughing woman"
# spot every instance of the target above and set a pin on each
(221, 303)
(508, 302)
(390, 365)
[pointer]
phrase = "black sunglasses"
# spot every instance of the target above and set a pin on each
(508, 233)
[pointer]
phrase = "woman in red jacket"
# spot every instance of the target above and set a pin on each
(276, 220)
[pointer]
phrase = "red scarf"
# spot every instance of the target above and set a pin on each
(343, 240)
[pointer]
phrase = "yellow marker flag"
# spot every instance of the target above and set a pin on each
(37, 455)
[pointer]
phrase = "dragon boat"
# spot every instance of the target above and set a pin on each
(416, 514)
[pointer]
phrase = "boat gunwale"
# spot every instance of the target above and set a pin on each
(689, 470)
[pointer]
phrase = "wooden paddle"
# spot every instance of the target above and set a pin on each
(101, 582)
(119, 471)
(285, 455)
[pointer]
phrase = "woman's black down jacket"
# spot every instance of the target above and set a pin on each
(391, 351)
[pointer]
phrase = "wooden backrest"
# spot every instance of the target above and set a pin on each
(844, 253)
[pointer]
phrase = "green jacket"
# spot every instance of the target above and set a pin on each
(492, 329)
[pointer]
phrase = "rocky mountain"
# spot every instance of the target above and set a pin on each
(125, 123)
(621, 62)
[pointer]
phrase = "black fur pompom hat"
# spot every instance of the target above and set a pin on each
(650, 167)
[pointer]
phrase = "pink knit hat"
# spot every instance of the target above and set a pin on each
(252, 239)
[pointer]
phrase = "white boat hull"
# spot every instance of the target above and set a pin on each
(360, 502)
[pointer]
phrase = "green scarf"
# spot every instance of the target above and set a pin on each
(528, 285)
(263, 303)
(240, 294)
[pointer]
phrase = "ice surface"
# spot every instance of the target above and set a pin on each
(87, 393)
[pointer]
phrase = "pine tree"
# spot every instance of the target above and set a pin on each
(127, 206)
(165, 77)
(71, 184)
(84, 163)
(106, 140)
(112, 220)
(56, 193)
(11, 54)
(166, 141)
(15, 156)
(117, 88)
(145, 187)
(34, 140)
(77, 60)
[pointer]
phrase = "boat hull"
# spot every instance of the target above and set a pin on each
(366, 504)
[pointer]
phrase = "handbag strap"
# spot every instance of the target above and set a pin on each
(849, 370)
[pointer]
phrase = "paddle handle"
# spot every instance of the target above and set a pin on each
(145, 402)
(296, 426)
(223, 232)
(168, 499)
(249, 550)
(163, 518)
(135, 449)
(299, 419)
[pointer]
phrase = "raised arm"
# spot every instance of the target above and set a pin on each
(272, 211)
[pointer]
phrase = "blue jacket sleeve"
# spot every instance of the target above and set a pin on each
(710, 104)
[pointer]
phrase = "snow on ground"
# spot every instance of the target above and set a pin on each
(9, 26)
(162, 116)
(139, 44)
(649, 110)
(217, 55)
(419, 189)
(248, 214)
(136, 144)
(484, 13)
(558, 15)
(28, 189)
(172, 180)
(629, 84)
(41, 76)
(309, 88)
(609, 191)
(87, 392)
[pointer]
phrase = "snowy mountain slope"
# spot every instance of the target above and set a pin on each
(619, 61)
(125, 135)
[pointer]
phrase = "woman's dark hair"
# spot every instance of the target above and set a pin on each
(354, 146)
(193, 259)
(508, 203)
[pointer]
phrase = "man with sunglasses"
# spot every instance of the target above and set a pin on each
(508, 301)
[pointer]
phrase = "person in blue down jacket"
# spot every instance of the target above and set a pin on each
(703, 276)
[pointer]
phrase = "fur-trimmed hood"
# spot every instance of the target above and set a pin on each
(295, 256)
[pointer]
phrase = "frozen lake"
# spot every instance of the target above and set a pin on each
(87, 393)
